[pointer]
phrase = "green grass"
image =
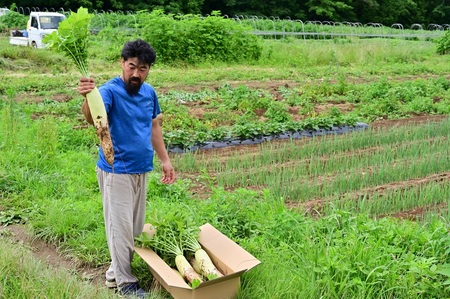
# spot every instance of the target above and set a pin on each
(24, 276)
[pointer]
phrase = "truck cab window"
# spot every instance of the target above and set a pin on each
(34, 22)
(50, 22)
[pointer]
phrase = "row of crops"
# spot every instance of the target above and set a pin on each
(255, 115)
(274, 27)
(376, 171)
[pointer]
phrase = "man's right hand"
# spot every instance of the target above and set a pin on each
(85, 86)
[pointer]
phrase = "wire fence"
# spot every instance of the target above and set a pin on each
(274, 27)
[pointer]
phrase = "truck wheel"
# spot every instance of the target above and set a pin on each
(34, 45)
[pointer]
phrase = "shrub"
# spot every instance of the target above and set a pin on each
(13, 20)
(195, 39)
(443, 44)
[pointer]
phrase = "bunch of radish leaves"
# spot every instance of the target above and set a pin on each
(72, 39)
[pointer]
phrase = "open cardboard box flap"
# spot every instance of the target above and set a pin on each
(227, 256)
(219, 247)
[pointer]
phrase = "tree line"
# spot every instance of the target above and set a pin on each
(386, 12)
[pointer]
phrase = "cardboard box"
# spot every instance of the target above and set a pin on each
(231, 259)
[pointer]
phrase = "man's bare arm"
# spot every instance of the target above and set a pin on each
(87, 112)
(86, 85)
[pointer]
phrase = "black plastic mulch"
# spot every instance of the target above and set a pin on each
(288, 135)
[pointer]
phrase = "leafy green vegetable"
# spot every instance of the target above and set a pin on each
(72, 39)
(168, 242)
(168, 238)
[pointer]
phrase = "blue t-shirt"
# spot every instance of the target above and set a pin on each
(130, 123)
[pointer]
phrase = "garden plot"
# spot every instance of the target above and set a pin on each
(380, 171)
(260, 196)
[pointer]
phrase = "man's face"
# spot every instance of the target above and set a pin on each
(134, 74)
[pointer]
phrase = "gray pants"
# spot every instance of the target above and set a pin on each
(124, 201)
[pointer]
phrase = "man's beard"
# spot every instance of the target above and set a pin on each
(133, 85)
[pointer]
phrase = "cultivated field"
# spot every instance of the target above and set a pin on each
(356, 215)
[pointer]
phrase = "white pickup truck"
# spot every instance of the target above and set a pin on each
(39, 25)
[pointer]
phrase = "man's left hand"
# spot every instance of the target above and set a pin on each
(169, 173)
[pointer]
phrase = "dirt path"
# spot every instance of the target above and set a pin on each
(49, 254)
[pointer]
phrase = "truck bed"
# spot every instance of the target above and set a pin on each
(17, 40)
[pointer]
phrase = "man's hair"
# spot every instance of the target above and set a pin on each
(140, 49)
